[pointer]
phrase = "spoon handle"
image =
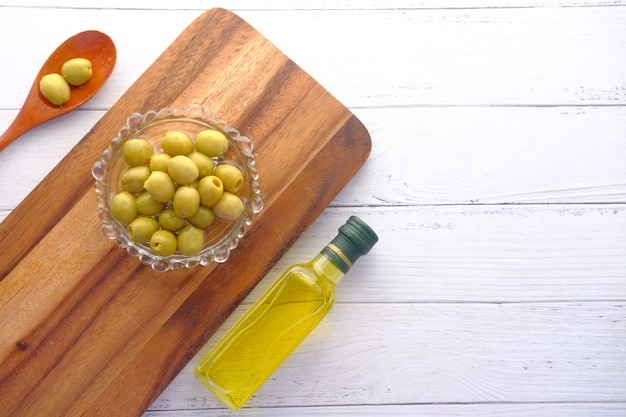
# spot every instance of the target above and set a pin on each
(33, 113)
(14, 131)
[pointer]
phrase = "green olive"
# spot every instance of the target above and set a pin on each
(168, 220)
(147, 205)
(163, 242)
(171, 198)
(210, 189)
(211, 142)
(231, 177)
(160, 185)
(77, 71)
(176, 143)
(123, 207)
(204, 163)
(141, 229)
(203, 217)
(137, 152)
(55, 89)
(182, 170)
(133, 178)
(190, 240)
(159, 162)
(186, 201)
(229, 207)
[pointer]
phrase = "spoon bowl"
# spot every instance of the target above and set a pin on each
(93, 45)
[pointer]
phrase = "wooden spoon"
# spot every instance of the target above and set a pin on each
(93, 45)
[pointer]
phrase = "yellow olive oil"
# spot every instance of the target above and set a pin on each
(281, 319)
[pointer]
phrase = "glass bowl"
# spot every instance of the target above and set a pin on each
(221, 236)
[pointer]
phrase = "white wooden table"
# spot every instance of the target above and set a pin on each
(497, 184)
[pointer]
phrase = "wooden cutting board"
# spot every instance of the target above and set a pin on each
(85, 329)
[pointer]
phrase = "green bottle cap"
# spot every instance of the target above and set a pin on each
(355, 239)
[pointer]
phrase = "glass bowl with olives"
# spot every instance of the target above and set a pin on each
(177, 188)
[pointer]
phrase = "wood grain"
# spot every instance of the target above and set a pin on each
(85, 326)
(495, 182)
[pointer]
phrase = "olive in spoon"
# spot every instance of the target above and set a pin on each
(92, 45)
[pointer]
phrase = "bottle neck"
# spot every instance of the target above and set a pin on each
(355, 238)
(337, 256)
(326, 266)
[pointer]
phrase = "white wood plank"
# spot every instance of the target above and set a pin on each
(317, 4)
(477, 254)
(523, 56)
(417, 410)
(532, 56)
(365, 354)
(492, 155)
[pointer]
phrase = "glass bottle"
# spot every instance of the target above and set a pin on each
(282, 317)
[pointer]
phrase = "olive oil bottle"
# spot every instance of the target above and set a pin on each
(284, 315)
